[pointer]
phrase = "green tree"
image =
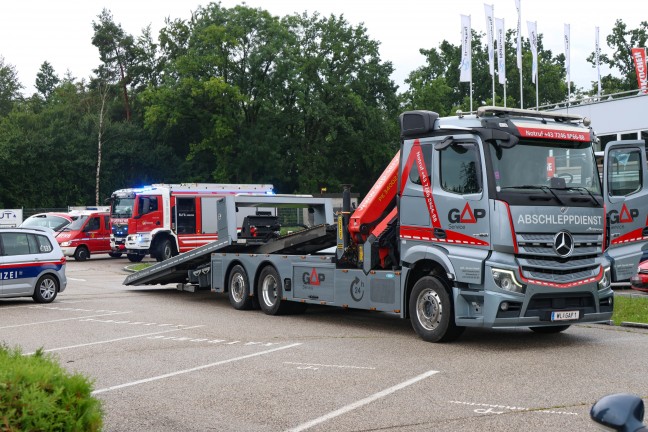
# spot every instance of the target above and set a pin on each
(435, 86)
(10, 87)
(116, 51)
(46, 80)
(620, 41)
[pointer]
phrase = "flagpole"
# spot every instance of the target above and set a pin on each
(518, 6)
(492, 43)
(471, 97)
(537, 70)
(521, 91)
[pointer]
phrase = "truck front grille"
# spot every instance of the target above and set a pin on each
(539, 261)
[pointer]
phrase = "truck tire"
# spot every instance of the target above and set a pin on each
(431, 312)
(550, 329)
(238, 289)
(133, 257)
(270, 292)
(164, 250)
(81, 253)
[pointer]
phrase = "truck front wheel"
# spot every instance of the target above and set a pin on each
(270, 292)
(431, 312)
(133, 257)
(165, 250)
(81, 253)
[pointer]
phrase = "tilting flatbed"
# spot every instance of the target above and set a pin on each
(180, 268)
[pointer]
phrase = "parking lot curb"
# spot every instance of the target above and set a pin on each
(634, 324)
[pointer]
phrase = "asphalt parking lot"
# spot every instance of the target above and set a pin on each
(166, 360)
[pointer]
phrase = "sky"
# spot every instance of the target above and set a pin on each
(60, 31)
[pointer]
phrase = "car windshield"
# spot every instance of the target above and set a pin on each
(568, 166)
(76, 224)
(122, 207)
(57, 223)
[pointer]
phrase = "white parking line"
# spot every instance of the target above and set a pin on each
(59, 320)
(111, 340)
(330, 366)
(362, 402)
(197, 368)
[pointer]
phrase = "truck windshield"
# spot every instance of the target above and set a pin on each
(567, 167)
(122, 207)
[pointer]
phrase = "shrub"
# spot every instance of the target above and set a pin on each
(37, 394)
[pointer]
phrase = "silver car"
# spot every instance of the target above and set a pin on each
(31, 264)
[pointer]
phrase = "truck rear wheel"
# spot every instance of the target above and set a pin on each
(431, 313)
(239, 290)
(270, 292)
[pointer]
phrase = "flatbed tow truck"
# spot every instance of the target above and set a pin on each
(490, 220)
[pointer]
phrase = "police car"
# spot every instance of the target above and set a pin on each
(31, 264)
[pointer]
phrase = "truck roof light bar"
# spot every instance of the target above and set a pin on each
(483, 111)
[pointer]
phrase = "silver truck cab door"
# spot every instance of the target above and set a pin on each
(625, 191)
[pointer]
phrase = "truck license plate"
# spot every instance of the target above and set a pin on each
(564, 315)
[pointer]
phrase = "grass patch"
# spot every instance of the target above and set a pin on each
(139, 266)
(630, 309)
(37, 394)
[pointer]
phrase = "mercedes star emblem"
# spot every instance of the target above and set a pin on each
(564, 244)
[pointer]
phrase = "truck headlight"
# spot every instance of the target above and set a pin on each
(506, 280)
(606, 280)
(66, 243)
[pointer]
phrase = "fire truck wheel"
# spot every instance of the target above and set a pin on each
(164, 250)
(46, 289)
(270, 292)
(135, 257)
(81, 253)
(239, 289)
(550, 329)
(431, 311)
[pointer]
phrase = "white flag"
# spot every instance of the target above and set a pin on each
(466, 50)
(519, 34)
(597, 51)
(533, 41)
(567, 49)
(501, 59)
(488, 9)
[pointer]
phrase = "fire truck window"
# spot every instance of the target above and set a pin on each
(460, 169)
(148, 204)
(186, 215)
(414, 175)
(624, 168)
(107, 221)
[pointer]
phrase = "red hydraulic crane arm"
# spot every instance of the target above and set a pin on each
(377, 204)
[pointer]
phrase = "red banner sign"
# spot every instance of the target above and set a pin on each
(639, 57)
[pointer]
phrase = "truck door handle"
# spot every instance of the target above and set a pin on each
(157, 222)
(439, 233)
